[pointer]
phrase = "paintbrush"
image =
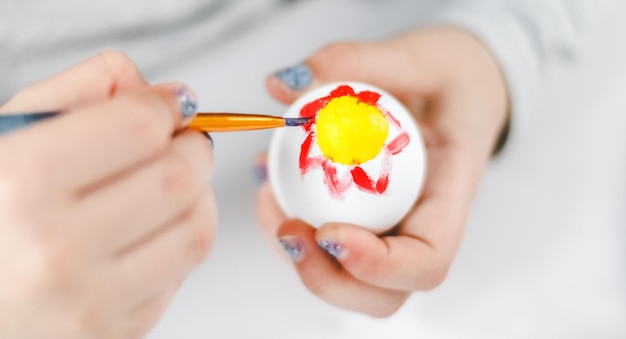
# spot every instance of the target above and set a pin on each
(227, 122)
(204, 121)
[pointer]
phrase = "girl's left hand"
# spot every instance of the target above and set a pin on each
(457, 93)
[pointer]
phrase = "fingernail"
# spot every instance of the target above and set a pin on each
(208, 136)
(296, 77)
(259, 171)
(293, 246)
(187, 100)
(333, 247)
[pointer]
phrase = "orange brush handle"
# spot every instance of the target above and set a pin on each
(227, 122)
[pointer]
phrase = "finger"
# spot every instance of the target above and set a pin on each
(269, 214)
(92, 80)
(419, 255)
(132, 206)
(439, 219)
(166, 256)
(394, 262)
(381, 64)
(324, 277)
(78, 149)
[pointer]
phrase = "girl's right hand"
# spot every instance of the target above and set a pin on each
(103, 212)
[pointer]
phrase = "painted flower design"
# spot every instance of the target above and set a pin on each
(350, 129)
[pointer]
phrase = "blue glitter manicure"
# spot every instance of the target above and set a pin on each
(296, 77)
(208, 136)
(293, 246)
(260, 174)
(188, 102)
(334, 248)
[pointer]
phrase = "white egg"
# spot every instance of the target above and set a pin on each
(344, 167)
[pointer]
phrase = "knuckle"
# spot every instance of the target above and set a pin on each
(58, 263)
(49, 268)
(117, 62)
(204, 227)
(343, 49)
(23, 193)
(178, 179)
(433, 277)
(201, 241)
(114, 56)
(344, 55)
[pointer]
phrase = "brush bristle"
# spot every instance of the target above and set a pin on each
(297, 121)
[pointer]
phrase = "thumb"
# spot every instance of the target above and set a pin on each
(386, 64)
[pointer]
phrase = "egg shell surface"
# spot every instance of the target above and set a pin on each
(375, 194)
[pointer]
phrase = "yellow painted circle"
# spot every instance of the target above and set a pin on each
(350, 132)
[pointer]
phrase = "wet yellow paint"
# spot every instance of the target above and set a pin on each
(350, 132)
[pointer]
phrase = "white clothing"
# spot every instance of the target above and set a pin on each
(525, 36)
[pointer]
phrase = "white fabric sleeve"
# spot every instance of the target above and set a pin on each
(525, 36)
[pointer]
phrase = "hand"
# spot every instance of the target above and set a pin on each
(102, 211)
(457, 93)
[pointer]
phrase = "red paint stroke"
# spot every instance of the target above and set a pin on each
(309, 163)
(341, 91)
(396, 145)
(336, 185)
(393, 120)
(311, 109)
(364, 182)
(369, 97)
(305, 149)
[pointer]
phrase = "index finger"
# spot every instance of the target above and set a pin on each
(82, 148)
(92, 80)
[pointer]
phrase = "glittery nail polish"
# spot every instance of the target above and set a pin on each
(208, 136)
(188, 101)
(293, 246)
(334, 248)
(259, 172)
(296, 77)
